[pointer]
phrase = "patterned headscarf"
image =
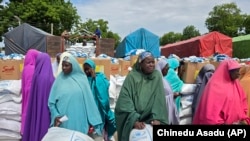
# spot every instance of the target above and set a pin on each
(143, 55)
(66, 59)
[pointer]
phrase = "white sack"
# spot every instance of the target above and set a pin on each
(10, 87)
(10, 97)
(6, 135)
(187, 112)
(62, 134)
(11, 125)
(10, 106)
(16, 117)
(145, 134)
(186, 121)
(188, 89)
(186, 101)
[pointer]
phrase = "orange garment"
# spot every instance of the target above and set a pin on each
(245, 83)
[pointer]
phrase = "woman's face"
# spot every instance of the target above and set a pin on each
(66, 67)
(87, 69)
(148, 65)
(234, 74)
(165, 70)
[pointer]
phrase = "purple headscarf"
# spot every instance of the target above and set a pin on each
(38, 115)
(27, 74)
(173, 116)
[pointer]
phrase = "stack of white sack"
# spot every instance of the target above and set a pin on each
(114, 89)
(78, 50)
(10, 110)
(185, 113)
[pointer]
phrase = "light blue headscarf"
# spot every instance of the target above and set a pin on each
(71, 96)
(173, 63)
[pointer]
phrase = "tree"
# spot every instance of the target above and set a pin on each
(41, 14)
(225, 18)
(190, 32)
(170, 37)
(246, 24)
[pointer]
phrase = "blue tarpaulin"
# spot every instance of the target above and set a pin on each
(139, 39)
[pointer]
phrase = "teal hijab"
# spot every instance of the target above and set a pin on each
(174, 80)
(142, 98)
(100, 89)
(71, 96)
(172, 77)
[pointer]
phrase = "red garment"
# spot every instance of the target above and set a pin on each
(223, 100)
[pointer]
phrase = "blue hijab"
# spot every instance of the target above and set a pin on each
(100, 89)
(172, 77)
(72, 96)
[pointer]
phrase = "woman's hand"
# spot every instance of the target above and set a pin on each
(139, 125)
(57, 122)
(92, 71)
(155, 122)
(176, 94)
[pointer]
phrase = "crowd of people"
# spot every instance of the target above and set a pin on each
(150, 95)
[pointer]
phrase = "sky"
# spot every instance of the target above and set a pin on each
(158, 16)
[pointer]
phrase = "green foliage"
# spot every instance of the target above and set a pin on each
(41, 14)
(246, 24)
(190, 32)
(225, 18)
(170, 37)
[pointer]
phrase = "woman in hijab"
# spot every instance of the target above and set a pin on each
(173, 115)
(27, 74)
(201, 80)
(71, 97)
(223, 100)
(100, 88)
(174, 80)
(59, 69)
(142, 98)
(245, 81)
(38, 116)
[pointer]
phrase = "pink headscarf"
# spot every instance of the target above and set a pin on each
(223, 100)
(27, 74)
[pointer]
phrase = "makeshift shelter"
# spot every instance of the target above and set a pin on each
(241, 46)
(24, 37)
(201, 46)
(139, 39)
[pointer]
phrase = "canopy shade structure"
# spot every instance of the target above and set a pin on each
(24, 37)
(139, 39)
(201, 46)
(241, 46)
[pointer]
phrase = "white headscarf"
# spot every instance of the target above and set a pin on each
(59, 70)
